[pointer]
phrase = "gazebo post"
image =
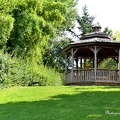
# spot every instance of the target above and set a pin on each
(66, 67)
(72, 60)
(95, 61)
(119, 64)
(77, 68)
(95, 51)
(65, 63)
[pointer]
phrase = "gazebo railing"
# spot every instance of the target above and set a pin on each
(88, 75)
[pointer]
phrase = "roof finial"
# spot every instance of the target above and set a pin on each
(97, 27)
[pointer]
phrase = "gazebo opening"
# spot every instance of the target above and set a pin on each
(84, 58)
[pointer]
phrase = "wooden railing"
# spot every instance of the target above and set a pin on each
(88, 75)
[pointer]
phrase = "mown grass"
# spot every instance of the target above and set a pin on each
(60, 103)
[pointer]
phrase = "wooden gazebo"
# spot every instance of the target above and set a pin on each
(95, 47)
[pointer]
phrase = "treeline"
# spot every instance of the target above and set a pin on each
(32, 36)
(27, 29)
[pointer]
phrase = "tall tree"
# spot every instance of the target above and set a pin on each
(85, 21)
(34, 22)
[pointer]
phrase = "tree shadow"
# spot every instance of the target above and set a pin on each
(85, 105)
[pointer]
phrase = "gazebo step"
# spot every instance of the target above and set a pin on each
(109, 83)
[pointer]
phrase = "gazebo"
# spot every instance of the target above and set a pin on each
(92, 48)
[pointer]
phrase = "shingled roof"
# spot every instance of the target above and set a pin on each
(96, 38)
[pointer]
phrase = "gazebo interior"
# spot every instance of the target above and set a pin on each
(83, 59)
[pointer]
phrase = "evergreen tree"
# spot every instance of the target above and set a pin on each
(84, 23)
(108, 31)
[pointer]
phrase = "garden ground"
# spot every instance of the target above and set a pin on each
(60, 103)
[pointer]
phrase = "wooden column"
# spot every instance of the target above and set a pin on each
(119, 64)
(66, 63)
(65, 68)
(76, 68)
(95, 61)
(95, 51)
(72, 61)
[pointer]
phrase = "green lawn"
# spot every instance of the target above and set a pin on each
(60, 103)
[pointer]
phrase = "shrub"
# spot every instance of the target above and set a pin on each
(46, 76)
(16, 72)
(13, 71)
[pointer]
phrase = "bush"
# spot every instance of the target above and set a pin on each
(16, 72)
(13, 71)
(46, 76)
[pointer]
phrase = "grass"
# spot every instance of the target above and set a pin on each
(60, 103)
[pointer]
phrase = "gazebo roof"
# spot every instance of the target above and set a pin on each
(97, 38)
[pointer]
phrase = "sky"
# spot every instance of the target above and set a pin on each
(106, 12)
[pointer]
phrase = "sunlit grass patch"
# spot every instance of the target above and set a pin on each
(60, 103)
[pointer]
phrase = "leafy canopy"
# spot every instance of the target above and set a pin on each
(28, 25)
(35, 22)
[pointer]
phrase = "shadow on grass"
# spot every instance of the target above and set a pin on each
(83, 105)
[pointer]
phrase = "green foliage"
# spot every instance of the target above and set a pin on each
(85, 21)
(47, 76)
(54, 57)
(108, 31)
(108, 63)
(116, 35)
(35, 23)
(27, 26)
(6, 25)
(6, 6)
(12, 71)
(15, 72)
(26, 34)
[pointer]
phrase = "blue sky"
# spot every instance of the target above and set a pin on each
(107, 12)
